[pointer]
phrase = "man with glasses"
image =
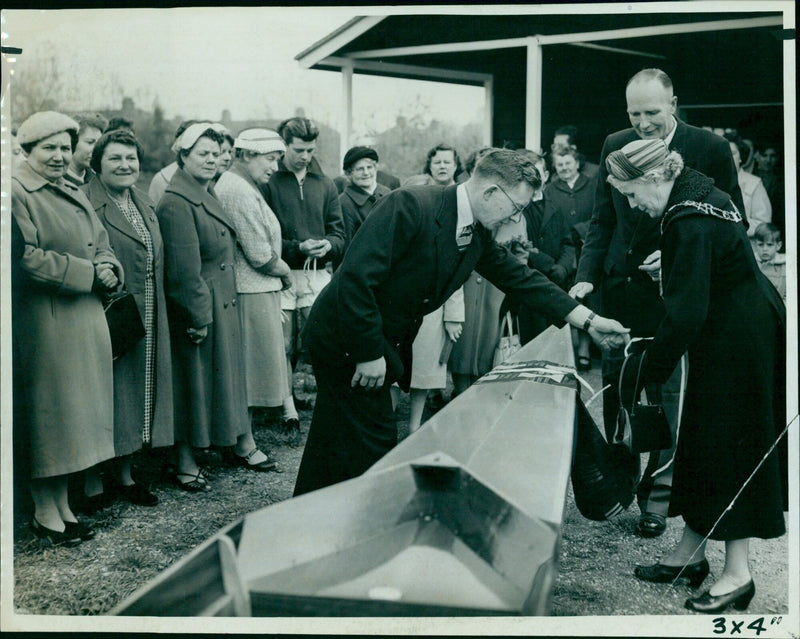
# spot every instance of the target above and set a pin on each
(417, 246)
(551, 251)
(518, 208)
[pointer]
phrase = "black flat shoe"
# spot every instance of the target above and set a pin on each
(651, 525)
(584, 363)
(77, 528)
(56, 538)
(739, 599)
(244, 460)
(695, 573)
(139, 495)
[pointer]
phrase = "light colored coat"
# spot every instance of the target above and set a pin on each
(258, 232)
(129, 370)
(62, 349)
(160, 182)
(756, 201)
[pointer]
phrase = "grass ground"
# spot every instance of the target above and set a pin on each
(133, 544)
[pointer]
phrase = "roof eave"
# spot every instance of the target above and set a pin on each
(337, 39)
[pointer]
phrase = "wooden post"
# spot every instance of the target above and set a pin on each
(347, 110)
(533, 96)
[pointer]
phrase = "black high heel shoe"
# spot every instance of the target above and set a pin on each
(77, 528)
(739, 599)
(695, 573)
(66, 537)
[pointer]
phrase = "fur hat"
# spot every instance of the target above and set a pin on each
(42, 125)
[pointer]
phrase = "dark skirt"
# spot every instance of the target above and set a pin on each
(731, 418)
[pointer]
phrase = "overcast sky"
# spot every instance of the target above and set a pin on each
(200, 61)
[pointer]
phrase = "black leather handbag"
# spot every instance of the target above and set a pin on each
(641, 427)
(600, 483)
(124, 323)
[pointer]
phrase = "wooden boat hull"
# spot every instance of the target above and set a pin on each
(461, 518)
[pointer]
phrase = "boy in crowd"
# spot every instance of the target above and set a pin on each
(766, 244)
(91, 127)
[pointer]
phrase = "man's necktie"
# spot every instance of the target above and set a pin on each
(464, 237)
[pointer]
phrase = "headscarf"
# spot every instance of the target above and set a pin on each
(189, 137)
(636, 158)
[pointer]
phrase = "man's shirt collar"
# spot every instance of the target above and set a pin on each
(465, 216)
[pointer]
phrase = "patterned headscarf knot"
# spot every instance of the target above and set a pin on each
(636, 158)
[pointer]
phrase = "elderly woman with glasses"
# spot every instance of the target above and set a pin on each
(363, 192)
(63, 268)
(723, 311)
(208, 363)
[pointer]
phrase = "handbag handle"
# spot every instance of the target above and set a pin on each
(507, 326)
(638, 377)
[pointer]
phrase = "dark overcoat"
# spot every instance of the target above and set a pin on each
(130, 369)
(725, 313)
(200, 284)
(549, 231)
(62, 349)
(620, 238)
(403, 264)
(574, 203)
(356, 205)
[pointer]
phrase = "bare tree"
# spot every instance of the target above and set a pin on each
(46, 81)
(37, 85)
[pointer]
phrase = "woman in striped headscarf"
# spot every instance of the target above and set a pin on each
(722, 311)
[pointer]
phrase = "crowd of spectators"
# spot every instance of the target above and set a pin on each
(224, 257)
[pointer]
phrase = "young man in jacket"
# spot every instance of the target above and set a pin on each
(306, 204)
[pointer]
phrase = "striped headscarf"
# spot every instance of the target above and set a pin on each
(636, 158)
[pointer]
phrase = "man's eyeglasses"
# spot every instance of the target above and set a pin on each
(518, 209)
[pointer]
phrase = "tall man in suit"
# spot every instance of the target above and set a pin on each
(621, 256)
(411, 253)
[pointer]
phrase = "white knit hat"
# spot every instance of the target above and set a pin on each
(260, 141)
